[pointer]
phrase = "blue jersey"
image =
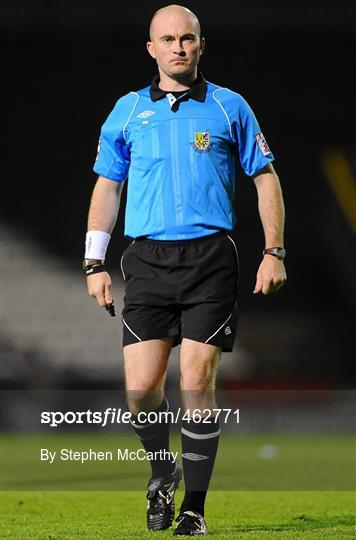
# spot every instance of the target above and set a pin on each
(179, 156)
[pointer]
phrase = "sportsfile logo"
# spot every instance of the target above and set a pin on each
(113, 415)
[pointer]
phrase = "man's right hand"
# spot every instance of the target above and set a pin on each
(99, 287)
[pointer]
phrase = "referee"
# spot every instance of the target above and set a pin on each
(176, 142)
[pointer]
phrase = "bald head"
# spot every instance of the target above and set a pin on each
(173, 10)
(176, 45)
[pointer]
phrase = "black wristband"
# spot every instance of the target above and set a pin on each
(95, 269)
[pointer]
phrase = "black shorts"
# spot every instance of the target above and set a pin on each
(182, 288)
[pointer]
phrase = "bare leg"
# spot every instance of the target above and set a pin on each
(145, 373)
(198, 367)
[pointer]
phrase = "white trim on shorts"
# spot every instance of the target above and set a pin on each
(132, 332)
(220, 327)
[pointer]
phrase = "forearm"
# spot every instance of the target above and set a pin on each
(104, 205)
(271, 207)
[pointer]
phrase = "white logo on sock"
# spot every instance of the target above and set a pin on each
(194, 457)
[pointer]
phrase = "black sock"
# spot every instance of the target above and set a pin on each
(200, 442)
(155, 437)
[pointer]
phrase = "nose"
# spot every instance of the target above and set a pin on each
(180, 52)
(179, 49)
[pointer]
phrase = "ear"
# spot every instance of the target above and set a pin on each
(151, 49)
(202, 45)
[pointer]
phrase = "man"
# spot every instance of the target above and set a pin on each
(176, 142)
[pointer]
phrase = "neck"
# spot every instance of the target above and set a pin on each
(171, 84)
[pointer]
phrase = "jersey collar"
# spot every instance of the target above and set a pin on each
(197, 91)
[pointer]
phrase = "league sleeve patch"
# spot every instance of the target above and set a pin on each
(262, 143)
(98, 150)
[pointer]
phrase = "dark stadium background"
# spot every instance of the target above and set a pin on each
(64, 65)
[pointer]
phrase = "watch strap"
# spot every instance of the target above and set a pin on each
(278, 252)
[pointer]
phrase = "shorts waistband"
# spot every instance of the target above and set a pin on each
(180, 242)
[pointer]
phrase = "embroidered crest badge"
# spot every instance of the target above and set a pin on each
(202, 142)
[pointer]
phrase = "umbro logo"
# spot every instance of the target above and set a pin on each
(194, 457)
(145, 114)
(227, 330)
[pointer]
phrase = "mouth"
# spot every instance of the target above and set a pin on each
(180, 61)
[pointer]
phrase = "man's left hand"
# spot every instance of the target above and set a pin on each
(271, 275)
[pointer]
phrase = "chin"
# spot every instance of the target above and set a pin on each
(181, 70)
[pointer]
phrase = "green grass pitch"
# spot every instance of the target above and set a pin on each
(105, 515)
(304, 491)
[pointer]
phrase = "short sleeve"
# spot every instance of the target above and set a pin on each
(254, 152)
(113, 157)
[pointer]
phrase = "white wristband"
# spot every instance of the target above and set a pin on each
(96, 243)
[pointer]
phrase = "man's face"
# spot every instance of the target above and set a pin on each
(175, 44)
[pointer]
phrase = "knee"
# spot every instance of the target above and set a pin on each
(197, 380)
(198, 365)
(144, 400)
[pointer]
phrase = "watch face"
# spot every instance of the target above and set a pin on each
(278, 252)
(281, 253)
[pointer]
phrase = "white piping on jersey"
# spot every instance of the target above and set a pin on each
(220, 327)
(132, 332)
(222, 108)
(131, 113)
(200, 435)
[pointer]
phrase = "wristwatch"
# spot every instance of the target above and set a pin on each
(88, 263)
(278, 252)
